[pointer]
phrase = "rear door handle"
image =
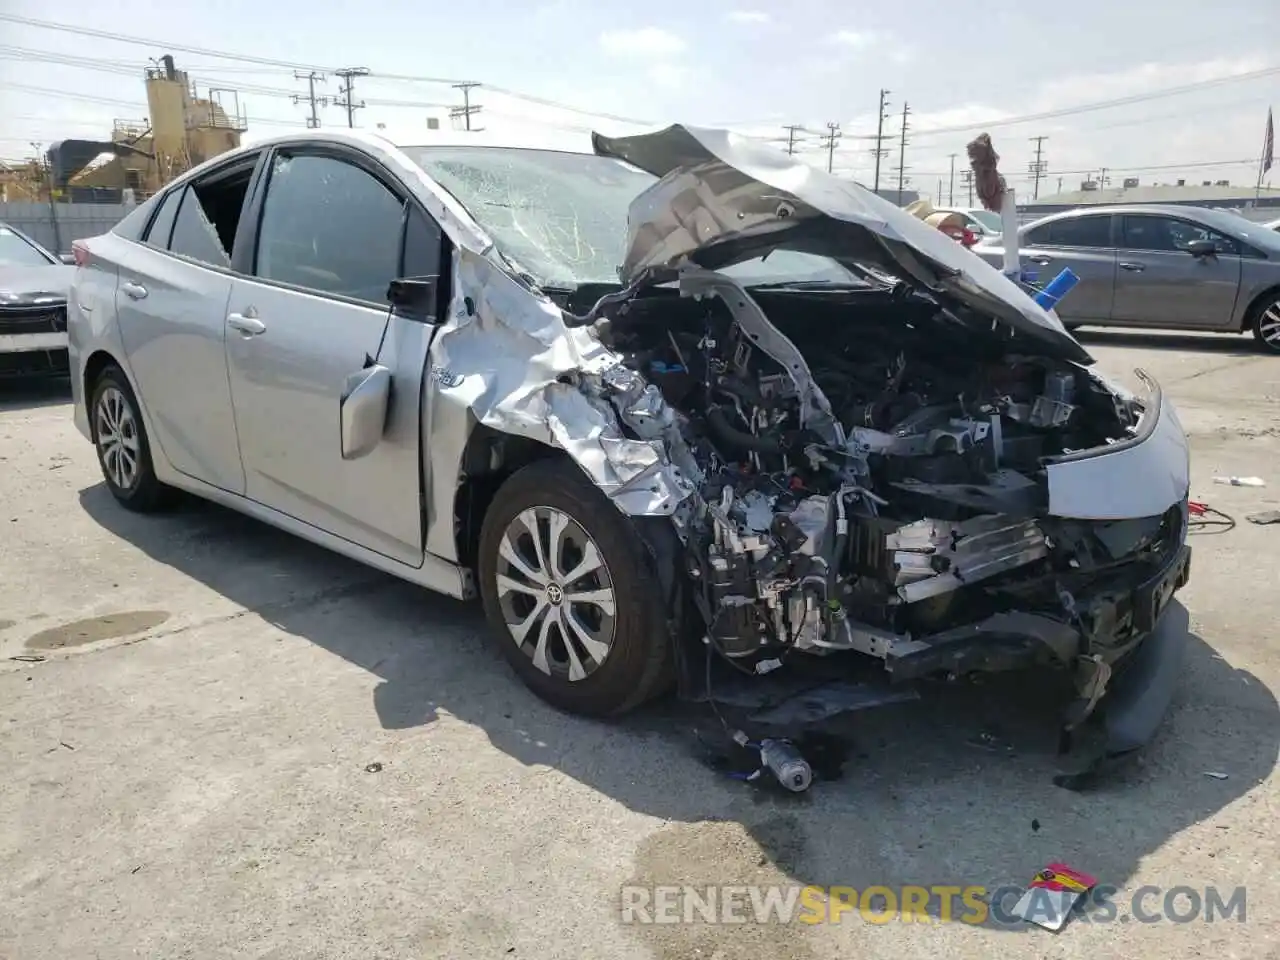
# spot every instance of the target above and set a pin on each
(1132, 267)
(248, 326)
(135, 290)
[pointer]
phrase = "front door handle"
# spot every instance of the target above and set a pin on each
(1132, 267)
(1041, 259)
(248, 326)
(135, 290)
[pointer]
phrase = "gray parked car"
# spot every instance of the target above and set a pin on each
(33, 306)
(1158, 266)
(678, 401)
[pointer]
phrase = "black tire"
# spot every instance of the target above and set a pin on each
(1267, 313)
(637, 665)
(141, 492)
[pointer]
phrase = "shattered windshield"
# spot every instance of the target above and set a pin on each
(563, 216)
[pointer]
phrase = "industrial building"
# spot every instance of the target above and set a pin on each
(181, 131)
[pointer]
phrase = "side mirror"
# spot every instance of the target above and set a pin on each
(414, 298)
(68, 258)
(1202, 248)
(362, 411)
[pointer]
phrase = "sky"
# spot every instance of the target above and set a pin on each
(558, 69)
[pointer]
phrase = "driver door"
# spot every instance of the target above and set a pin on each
(332, 231)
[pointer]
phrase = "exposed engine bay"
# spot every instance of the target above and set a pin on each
(869, 475)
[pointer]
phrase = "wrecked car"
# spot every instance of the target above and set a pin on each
(676, 400)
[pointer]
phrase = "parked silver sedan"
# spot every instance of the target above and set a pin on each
(1158, 266)
(676, 400)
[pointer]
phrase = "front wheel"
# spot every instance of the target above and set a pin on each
(571, 592)
(1266, 325)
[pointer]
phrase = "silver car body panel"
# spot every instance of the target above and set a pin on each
(1138, 479)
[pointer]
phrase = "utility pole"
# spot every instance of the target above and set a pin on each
(939, 194)
(830, 138)
(1103, 179)
(348, 100)
(1059, 184)
(792, 129)
(966, 178)
(45, 166)
(466, 110)
(879, 150)
(902, 150)
(313, 121)
(1038, 167)
(951, 187)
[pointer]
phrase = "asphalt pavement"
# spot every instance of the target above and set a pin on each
(220, 741)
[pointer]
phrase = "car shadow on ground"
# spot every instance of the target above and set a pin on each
(29, 393)
(953, 789)
(1232, 346)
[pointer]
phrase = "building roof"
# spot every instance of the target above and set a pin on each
(1166, 193)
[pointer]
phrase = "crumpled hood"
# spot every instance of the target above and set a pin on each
(22, 285)
(723, 198)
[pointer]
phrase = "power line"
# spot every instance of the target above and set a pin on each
(313, 121)
(879, 150)
(1037, 166)
(1105, 104)
(114, 102)
(466, 110)
(829, 138)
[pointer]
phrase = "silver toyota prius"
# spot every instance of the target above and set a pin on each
(662, 401)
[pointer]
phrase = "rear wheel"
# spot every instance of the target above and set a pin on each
(124, 452)
(1266, 324)
(570, 591)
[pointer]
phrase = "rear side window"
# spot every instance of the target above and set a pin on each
(195, 236)
(162, 225)
(1072, 232)
(332, 227)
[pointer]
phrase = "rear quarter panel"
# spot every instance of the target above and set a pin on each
(92, 325)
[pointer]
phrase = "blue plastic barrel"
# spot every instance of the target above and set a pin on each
(1056, 289)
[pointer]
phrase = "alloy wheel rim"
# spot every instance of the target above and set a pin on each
(556, 594)
(1269, 326)
(117, 431)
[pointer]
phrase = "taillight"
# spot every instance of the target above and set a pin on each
(80, 251)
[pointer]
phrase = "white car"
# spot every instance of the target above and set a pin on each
(33, 306)
(984, 224)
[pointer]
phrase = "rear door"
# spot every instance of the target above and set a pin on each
(1083, 244)
(332, 228)
(1160, 284)
(172, 303)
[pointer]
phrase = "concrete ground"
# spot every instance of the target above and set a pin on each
(218, 741)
